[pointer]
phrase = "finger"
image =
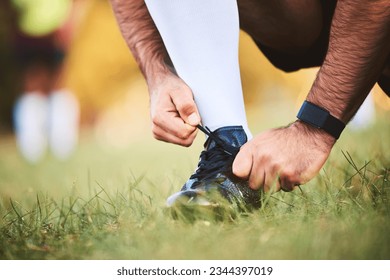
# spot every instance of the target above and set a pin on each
(173, 124)
(243, 162)
(259, 172)
(186, 107)
(289, 188)
(272, 180)
(256, 179)
(288, 185)
(272, 177)
(163, 135)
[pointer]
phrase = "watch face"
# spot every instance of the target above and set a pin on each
(313, 114)
(320, 118)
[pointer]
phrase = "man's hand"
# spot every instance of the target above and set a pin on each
(283, 158)
(173, 111)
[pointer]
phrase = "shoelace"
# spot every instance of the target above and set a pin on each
(215, 160)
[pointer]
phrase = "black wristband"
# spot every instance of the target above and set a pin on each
(320, 118)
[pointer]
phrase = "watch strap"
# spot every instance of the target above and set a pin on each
(320, 118)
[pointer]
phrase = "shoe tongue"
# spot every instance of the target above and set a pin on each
(231, 135)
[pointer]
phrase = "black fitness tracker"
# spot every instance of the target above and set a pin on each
(320, 118)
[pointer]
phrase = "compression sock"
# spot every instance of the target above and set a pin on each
(202, 37)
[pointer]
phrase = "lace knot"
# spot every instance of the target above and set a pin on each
(216, 160)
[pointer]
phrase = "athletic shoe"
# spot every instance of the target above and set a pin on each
(213, 183)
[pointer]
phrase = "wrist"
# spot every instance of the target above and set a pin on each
(320, 118)
(157, 73)
(319, 136)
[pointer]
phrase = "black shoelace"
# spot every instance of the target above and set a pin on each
(216, 160)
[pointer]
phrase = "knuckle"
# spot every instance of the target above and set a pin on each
(156, 133)
(266, 158)
(276, 167)
(289, 175)
(288, 179)
(186, 107)
(253, 184)
(183, 99)
(184, 134)
(156, 136)
(186, 143)
(155, 120)
(154, 129)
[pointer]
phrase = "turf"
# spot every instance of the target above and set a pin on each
(109, 204)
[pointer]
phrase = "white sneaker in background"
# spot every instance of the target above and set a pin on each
(30, 121)
(63, 123)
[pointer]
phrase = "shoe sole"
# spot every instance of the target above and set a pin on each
(201, 205)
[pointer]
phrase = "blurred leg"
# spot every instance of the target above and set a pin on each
(37, 77)
(30, 119)
(31, 111)
(63, 123)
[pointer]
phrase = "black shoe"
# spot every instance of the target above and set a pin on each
(213, 182)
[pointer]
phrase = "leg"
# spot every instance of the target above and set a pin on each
(283, 25)
(201, 37)
(291, 34)
(202, 41)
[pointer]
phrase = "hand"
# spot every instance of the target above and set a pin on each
(173, 111)
(283, 158)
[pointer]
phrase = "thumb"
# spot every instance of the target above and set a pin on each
(186, 107)
(242, 165)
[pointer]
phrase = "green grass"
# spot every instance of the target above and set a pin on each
(109, 204)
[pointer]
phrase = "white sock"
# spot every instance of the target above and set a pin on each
(202, 38)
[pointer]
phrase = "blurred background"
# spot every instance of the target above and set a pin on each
(89, 86)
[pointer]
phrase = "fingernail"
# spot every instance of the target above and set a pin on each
(193, 119)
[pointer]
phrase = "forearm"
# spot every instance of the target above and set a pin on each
(358, 48)
(142, 37)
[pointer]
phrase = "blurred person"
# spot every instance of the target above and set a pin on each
(188, 53)
(46, 114)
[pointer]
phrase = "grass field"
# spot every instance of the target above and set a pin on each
(109, 204)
